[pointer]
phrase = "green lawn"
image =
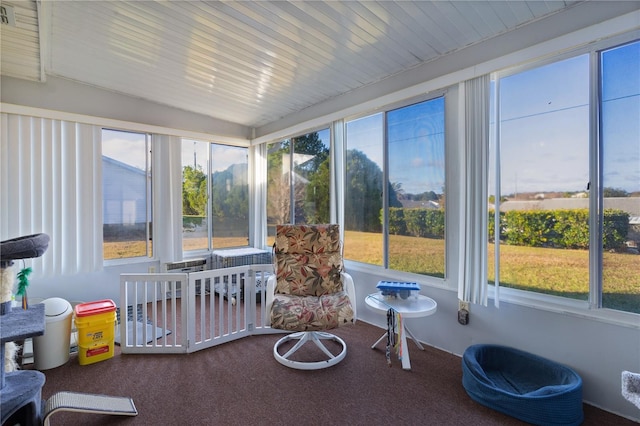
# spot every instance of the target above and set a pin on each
(544, 270)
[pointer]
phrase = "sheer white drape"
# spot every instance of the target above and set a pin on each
(473, 287)
(51, 182)
(258, 192)
(167, 197)
(337, 174)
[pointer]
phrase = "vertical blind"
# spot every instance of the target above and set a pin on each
(167, 197)
(473, 287)
(51, 182)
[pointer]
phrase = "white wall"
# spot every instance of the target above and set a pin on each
(58, 94)
(87, 287)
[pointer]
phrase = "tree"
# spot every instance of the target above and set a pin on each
(194, 191)
(397, 188)
(317, 201)
(363, 193)
(310, 144)
(278, 188)
(614, 192)
(309, 182)
(230, 192)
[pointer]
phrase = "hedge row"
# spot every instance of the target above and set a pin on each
(427, 223)
(568, 228)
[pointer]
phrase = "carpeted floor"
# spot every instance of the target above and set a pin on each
(240, 383)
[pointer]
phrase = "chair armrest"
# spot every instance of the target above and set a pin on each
(350, 289)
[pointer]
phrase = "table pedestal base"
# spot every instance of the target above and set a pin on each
(416, 306)
(406, 361)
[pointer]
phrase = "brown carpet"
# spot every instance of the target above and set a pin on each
(240, 383)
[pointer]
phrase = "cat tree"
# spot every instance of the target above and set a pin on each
(20, 391)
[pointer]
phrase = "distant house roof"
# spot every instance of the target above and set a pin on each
(630, 205)
(121, 165)
(413, 204)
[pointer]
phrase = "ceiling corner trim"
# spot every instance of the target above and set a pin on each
(44, 11)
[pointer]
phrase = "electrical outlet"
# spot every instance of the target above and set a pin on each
(152, 269)
(463, 316)
(463, 312)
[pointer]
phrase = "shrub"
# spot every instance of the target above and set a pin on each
(397, 225)
(615, 228)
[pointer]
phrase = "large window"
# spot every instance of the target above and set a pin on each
(394, 190)
(363, 190)
(620, 145)
(215, 196)
(195, 195)
(126, 174)
(298, 179)
(545, 176)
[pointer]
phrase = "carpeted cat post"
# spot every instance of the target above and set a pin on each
(631, 387)
(7, 279)
(20, 391)
(25, 247)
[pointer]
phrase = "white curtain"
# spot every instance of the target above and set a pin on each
(258, 195)
(51, 182)
(167, 198)
(473, 286)
(337, 175)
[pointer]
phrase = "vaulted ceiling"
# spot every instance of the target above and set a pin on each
(247, 62)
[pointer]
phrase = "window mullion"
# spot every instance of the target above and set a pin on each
(209, 208)
(385, 192)
(595, 185)
(292, 183)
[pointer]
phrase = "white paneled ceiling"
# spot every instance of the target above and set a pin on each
(247, 62)
(19, 41)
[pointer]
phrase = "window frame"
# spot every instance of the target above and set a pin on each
(149, 211)
(593, 305)
(449, 95)
(211, 144)
(292, 201)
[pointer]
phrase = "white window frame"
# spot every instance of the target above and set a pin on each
(590, 307)
(451, 153)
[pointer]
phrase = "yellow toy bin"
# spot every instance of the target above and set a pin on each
(96, 323)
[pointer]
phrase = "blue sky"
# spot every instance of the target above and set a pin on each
(545, 125)
(621, 109)
(416, 144)
(544, 132)
(223, 155)
(126, 147)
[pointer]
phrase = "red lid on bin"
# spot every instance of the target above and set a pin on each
(95, 308)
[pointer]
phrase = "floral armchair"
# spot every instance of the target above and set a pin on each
(309, 293)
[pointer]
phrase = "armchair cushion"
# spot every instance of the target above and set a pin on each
(311, 313)
(308, 260)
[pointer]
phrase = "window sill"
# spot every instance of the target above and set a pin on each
(542, 302)
(561, 305)
(393, 275)
(127, 261)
